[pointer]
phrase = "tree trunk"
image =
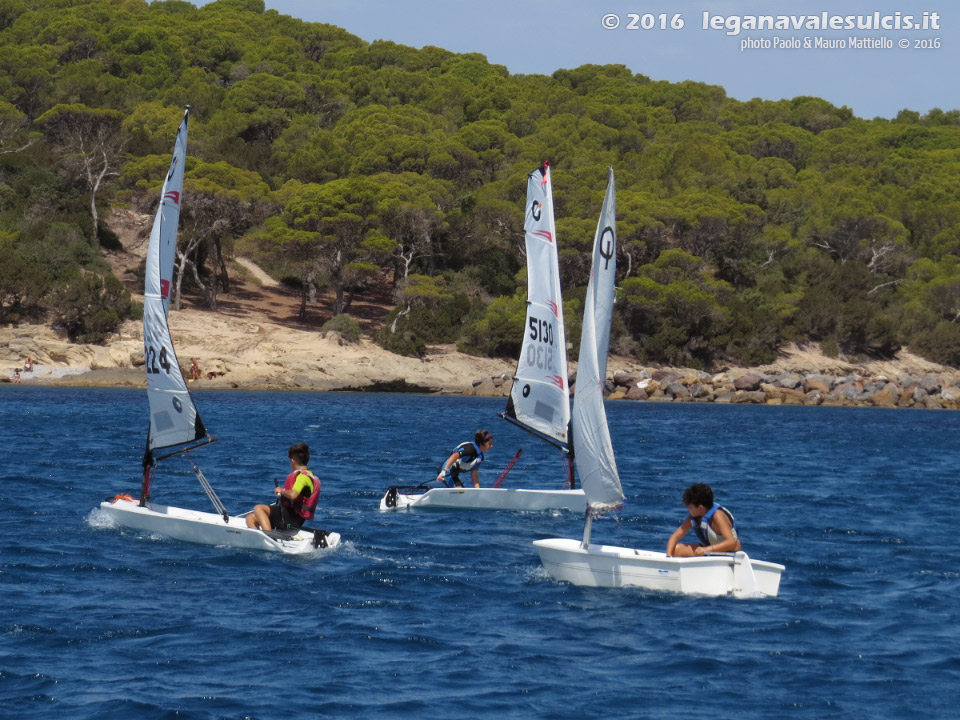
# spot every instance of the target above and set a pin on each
(307, 292)
(184, 257)
(209, 293)
(393, 325)
(224, 278)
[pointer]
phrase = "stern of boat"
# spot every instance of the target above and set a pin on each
(608, 566)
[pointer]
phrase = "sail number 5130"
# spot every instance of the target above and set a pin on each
(541, 330)
(541, 356)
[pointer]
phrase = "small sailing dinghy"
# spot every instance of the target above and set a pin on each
(582, 563)
(540, 397)
(174, 420)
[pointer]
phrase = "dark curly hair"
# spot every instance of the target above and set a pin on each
(698, 494)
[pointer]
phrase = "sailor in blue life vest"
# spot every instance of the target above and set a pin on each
(713, 524)
(298, 496)
(466, 456)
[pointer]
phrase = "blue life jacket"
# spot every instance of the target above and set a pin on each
(464, 465)
(707, 535)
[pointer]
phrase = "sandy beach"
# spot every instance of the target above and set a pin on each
(254, 353)
(249, 353)
(257, 341)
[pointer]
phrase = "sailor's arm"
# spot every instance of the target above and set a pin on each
(447, 464)
(721, 525)
(677, 535)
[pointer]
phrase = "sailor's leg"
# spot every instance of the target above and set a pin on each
(684, 550)
(260, 518)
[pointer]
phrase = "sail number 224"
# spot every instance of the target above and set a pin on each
(154, 362)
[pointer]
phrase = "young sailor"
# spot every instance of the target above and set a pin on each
(713, 524)
(298, 496)
(466, 456)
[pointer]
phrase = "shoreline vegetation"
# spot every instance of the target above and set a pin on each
(379, 188)
(375, 190)
(268, 356)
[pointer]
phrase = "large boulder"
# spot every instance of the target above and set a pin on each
(627, 379)
(489, 387)
(931, 384)
(700, 391)
(818, 383)
(748, 383)
(950, 397)
(665, 377)
(678, 391)
(790, 381)
(887, 396)
(783, 395)
(851, 391)
(907, 381)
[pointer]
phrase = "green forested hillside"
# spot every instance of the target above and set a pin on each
(339, 163)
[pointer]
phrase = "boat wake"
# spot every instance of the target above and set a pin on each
(101, 520)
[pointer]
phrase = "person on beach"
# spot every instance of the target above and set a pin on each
(713, 524)
(297, 498)
(194, 369)
(28, 365)
(466, 456)
(16, 376)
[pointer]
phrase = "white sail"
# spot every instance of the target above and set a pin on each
(539, 398)
(593, 449)
(163, 235)
(604, 279)
(173, 416)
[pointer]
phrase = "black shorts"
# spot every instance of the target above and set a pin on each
(282, 517)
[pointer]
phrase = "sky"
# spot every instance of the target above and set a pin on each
(914, 69)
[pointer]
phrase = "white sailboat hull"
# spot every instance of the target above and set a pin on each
(208, 528)
(608, 566)
(488, 499)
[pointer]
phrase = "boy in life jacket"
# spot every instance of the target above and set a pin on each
(466, 456)
(298, 496)
(713, 524)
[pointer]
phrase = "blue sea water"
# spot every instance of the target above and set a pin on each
(449, 614)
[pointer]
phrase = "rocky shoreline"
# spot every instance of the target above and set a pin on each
(263, 356)
(745, 386)
(931, 391)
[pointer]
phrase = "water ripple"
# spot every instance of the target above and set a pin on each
(439, 615)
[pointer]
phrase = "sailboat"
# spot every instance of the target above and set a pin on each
(579, 561)
(540, 396)
(174, 420)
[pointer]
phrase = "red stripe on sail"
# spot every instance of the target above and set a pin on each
(172, 195)
(544, 235)
(556, 380)
(553, 307)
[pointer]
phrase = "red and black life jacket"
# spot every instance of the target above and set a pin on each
(303, 506)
